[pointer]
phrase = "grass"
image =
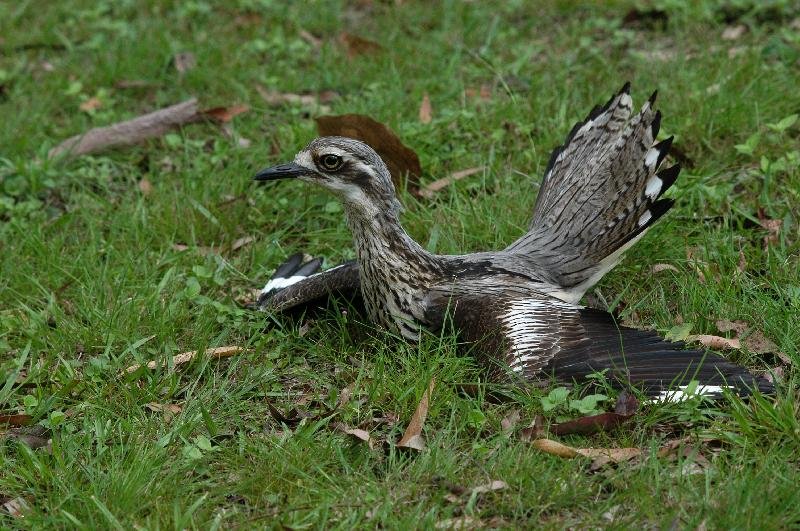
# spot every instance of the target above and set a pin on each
(91, 281)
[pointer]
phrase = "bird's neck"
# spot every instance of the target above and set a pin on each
(380, 238)
(396, 272)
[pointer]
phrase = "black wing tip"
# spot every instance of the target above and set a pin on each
(663, 148)
(652, 99)
(626, 88)
(289, 266)
(310, 267)
(668, 177)
(655, 125)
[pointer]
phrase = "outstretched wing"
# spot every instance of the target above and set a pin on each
(538, 337)
(298, 286)
(601, 192)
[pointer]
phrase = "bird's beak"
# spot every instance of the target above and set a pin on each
(282, 171)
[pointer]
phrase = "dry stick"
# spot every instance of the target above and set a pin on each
(150, 125)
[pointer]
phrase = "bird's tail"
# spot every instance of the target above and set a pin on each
(601, 191)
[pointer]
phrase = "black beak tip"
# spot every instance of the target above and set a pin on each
(282, 171)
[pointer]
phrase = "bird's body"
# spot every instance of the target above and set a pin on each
(601, 193)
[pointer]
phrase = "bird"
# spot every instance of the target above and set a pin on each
(518, 308)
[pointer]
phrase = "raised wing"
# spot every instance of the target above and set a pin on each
(298, 286)
(601, 192)
(537, 337)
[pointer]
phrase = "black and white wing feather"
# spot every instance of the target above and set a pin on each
(298, 286)
(601, 191)
(540, 337)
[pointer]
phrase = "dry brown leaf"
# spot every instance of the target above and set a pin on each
(535, 431)
(412, 437)
(92, 104)
(741, 267)
(33, 437)
(509, 421)
(401, 160)
(310, 38)
(738, 326)
(241, 242)
(358, 433)
(184, 61)
(13, 419)
(715, 342)
(734, 33)
(16, 507)
(355, 45)
(124, 84)
(658, 268)
(224, 114)
(425, 110)
(168, 411)
(145, 186)
(552, 447)
(316, 101)
(489, 487)
(462, 522)
(430, 189)
(129, 132)
(772, 226)
(185, 357)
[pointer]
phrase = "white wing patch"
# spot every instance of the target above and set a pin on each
(530, 331)
(680, 394)
(276, 284)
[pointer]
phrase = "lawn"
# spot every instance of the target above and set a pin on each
(136, 254)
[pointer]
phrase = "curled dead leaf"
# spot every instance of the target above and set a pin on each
(358, 433)
(186, 357)
(509, 421)
(412, 437)
(535, 431)
(402, 161)
(552, 447)
(14, 419)
(168, 411)
(355, 45)
(184, 61)
(658, 268)
(16, 507)
(425, 110)
(145, 186)
(430, 189)
(715, 342)
(224, 114)
(489, 487)
(92, 104)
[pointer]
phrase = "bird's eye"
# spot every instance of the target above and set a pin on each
(331, 162)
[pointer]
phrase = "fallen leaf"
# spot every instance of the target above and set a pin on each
(145, 186)
(224, 114)
(535, 431)
(129, 132)
(355, 45)
(186, 357)
(489, 487)
(310, 38)
(16, 507)
(92, 104)
(412, 437)
(402, 161)
(715, 342)
(552, 447)
(241, 242)
(430, 189)
(627, 404)
(12, 419)
(752, 339)
(741, 267)
(425, 110)
(168, 411)
(772, 226)
(509, 421)
(33, 437)
(184, 61)
(734, 33)
(462, 522)
(344, 396)
(124, 84)
(358, 433)
(658, 268)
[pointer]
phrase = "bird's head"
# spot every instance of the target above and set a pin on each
(348, 168)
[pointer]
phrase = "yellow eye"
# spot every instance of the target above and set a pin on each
(331, 162)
